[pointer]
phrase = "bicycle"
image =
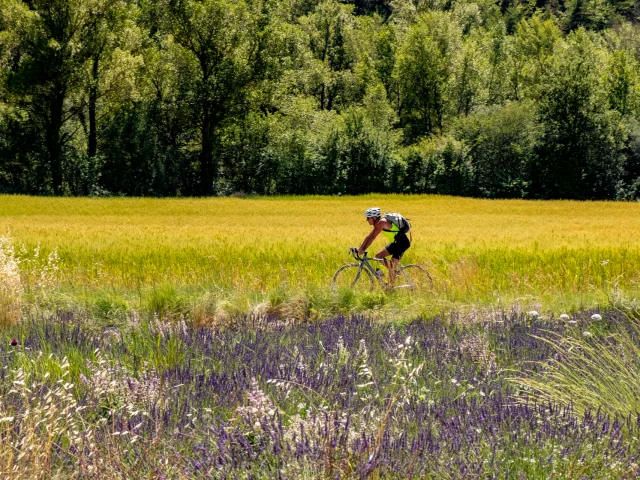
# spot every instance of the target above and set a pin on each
(362, 276)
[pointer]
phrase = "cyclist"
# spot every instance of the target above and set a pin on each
(399, 240)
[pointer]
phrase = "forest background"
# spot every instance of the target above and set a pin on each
(496, 99)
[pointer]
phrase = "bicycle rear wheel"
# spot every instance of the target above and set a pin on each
(415, 278)
(353, 278)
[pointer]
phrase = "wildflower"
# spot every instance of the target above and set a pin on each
(572, 322)
(596, 317)
(476, 347)
(363, 352)
(258, 405)
(532, 313)
(587, 334)
(564, 316)
(14, 341)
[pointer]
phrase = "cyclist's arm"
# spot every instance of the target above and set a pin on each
(377, 228)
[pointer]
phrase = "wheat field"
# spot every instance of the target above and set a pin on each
(207, 256)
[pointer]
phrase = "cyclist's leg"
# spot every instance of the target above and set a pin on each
(393, 263)
(396, 250)
(383, 254)
(390, 264)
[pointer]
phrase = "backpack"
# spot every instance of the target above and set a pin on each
(402, 223)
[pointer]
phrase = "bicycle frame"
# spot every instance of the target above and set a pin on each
(364, 264)
(405, 273)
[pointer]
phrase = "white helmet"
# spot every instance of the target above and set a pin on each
(373, 212)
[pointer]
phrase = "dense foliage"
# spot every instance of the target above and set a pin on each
(514, 98)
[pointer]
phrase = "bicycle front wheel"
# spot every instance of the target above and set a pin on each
(415, 278)
(353, 278)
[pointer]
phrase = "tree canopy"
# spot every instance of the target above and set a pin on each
(497, 99)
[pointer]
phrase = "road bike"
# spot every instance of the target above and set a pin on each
(363, 276)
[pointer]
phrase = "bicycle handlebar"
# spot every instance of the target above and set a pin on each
(354, 253)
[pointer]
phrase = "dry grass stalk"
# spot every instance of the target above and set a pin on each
(11, 288)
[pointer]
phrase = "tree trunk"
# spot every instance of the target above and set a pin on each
(93, 100)
(53, 140)
(206, 154)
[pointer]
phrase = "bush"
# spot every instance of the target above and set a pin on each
(441, 165)
(501, 143)
(140, 158)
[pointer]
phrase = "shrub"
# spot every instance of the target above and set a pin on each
(501, 143)
(441, 165)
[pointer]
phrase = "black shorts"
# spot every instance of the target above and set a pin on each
(400, 245)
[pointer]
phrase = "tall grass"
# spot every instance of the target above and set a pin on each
(209, 256)
(593, 369)
(11, 288)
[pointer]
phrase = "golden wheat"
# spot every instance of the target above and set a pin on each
(246, 251)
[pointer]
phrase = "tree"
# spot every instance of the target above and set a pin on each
(110, 66)
(580, 152)
(590, 14)
(628, 187)
(497, 64)
(48, 68)
(385, 45)
(502, 141)
(623, 83)
(531, 50)
(439, 165)
(467, 77)
(207, 97)
(330, 78)
(220, 36)
(424, 68)
(367, 7)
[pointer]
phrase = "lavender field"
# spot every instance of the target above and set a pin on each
(342, 398)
